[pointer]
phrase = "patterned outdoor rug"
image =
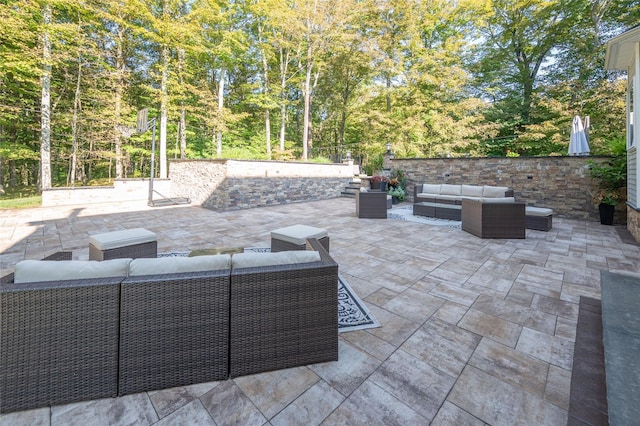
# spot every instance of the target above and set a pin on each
(352, 312)
(406, 213)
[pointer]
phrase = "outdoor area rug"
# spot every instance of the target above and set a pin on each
(352, 313)
(406, 213)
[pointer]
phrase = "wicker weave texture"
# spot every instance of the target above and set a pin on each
(174, 330)
(279, 245)
(540, 223)
(493, 220)
(371, 205)
(135, 251)
(59, 342)
(284, 316)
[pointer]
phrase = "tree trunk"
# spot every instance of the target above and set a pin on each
(74, 124)
(284, 63)
(163, 113)
(220, 112)
(45, 124)
(117, 140)
(265, 71)
(183, 111)
(306, 91)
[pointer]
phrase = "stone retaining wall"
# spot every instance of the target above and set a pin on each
(122, 190)
(559, 183)
(236, 184)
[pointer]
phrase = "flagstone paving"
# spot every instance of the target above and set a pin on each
(473, 331)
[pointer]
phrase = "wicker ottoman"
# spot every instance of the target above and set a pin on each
(295, 237)
(133, 243)
(539, 218)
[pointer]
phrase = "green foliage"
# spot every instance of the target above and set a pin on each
(611, 176)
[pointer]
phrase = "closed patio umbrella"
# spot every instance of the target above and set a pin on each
(578, 144)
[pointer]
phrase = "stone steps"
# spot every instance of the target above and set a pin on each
(351, 188)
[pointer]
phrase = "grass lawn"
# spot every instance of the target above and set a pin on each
(17, 203)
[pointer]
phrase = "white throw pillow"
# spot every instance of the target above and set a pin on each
(430, 188)
(252, 260)
(446, 189)
(29, 271)
(472, 190)
(179, 265)
(494, 191)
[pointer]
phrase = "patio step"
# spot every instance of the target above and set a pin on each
(351, 188)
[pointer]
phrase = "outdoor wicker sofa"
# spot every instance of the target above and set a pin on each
(285, 315)
(69, 341)
(371, 204)
(486, 219)
(58, 341)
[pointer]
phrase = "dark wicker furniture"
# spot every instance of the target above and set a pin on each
(493, 220)
(284, 316)
(130, 243)
(537, 220)
(59, 341)
(174, 330)
(281, 244)
(371, 205)
(438, 210)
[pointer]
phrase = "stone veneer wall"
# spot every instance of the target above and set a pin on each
(633, 222)
(559, 183)
(237, 184)
(122, 190)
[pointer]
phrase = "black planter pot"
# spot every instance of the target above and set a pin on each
(606, 213)
(394, 199)
(383, 186)
(375, 185)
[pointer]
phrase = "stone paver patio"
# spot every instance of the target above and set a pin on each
(473, 331)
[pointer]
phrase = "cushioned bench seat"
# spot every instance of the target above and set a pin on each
(539, 218)
(133, 243)
(295, 237)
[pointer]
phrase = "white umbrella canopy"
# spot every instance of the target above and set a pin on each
(578, 144)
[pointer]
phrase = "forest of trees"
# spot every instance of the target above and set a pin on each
(298, 80)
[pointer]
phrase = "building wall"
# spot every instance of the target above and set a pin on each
(559, 183)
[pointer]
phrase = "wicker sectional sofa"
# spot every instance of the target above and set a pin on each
(70, 340)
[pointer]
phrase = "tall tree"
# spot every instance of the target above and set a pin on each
(45, 105)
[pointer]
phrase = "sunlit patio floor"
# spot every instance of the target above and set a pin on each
(473, 331)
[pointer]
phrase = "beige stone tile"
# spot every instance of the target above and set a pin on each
(367, 342)
(494, 401)
(311, 408)
(414, 305)
(572, 292)
(495, 328)
(513, 312)
(381, 296)
(36, 417)
(167, 401)
(520, 296)
(566, 329)
(126, 410)
(510, 366)
(454, 294)
(555, 306)
(414, 382)
(551, 349)
(395, 329)
(228, 405)
(272, 391)
(450, 414)
(450, 312)
(370, 404)
(351, 369)
(558, 387)
(193, 414)
(539, 280)
(442, 345)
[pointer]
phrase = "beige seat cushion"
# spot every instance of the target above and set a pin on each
(124, 238)
(252, 260)
(538, 211)
(494, 191)
(179, 265)
(64, 270)
(472, 191)
(446, 189)
(498, 200)
(298, 234)
(429, 188)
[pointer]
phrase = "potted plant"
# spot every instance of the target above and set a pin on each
(379, 182)
(611, 182)
(397, 194)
